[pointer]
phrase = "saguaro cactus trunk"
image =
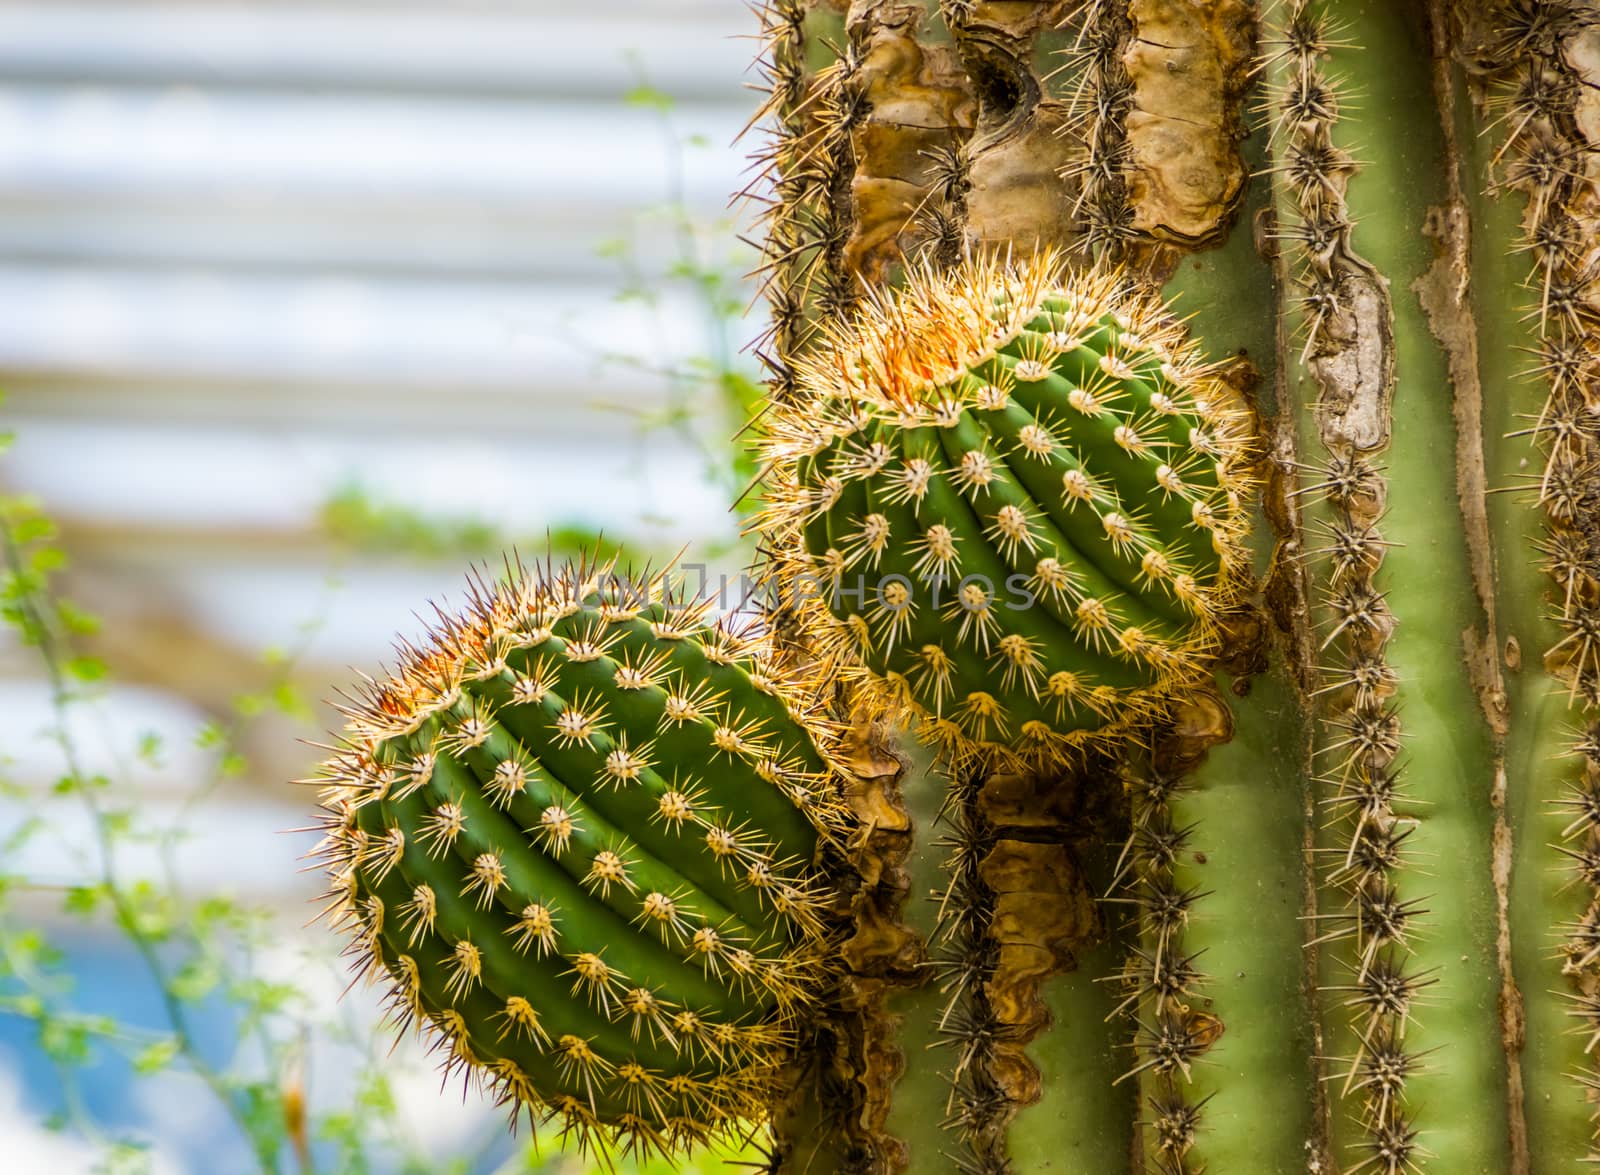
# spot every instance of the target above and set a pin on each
(1338, 911)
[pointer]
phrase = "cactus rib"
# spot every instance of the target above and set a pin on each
(1100, 105)
(1529, 136)
(1371, 925)
(1408, 959)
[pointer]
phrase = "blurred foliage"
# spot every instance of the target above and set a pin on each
(357, 522)
(711, 394)
(198, 953)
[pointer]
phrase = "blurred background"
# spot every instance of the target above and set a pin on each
(305, 307)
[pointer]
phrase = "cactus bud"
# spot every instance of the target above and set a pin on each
(1009, 497)
(575, 833)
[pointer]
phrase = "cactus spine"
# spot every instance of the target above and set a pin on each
(575, 834)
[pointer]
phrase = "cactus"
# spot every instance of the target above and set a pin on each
(1011, 501)
(576, 834)
(1297, 868)
(1348, 919)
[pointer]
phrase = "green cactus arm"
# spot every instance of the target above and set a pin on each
(1544, 901)
(1117, 612)
(502, 969)
(1461, 1105)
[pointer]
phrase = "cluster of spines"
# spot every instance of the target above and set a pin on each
(804, 176)
(1361, 739)
(1162, 981)
(1101, 97)
(624, 950)
(788, 248)
(940, 221)
(931, 365)
(965, 956)
(1546, 156)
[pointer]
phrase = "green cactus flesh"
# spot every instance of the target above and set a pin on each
(576, 833)
(1014, 507)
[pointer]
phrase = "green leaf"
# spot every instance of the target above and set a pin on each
(76, 620)
(248, 705)
(83, 900)
(149, 909)
(195, 980)
(375, 1094)
(150, 748)
(261, 998)
(87, 668)
(118, 822)
(213, 910)
(64, 1041)
(32, 528)
(649, 98)
(22, 834)
(156, 1056)
(290, 702)
(29, 1007)
(44, 560)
